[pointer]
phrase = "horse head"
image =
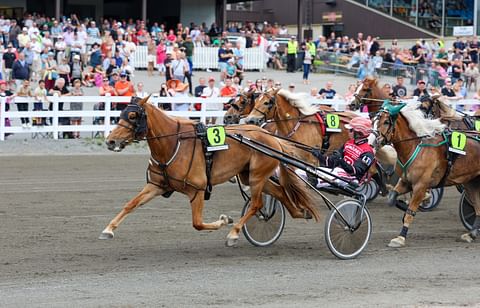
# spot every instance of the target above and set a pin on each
(264, 107)
(384, 123)
(131, 127)
(240, 106)
(368, 94)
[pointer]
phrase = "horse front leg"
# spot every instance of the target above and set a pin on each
(148, 192)
(197, 203)
(256, 204)
(401, 188)
(419, 190)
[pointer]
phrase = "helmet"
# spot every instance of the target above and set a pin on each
(361, 125)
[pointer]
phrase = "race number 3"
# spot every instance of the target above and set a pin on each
(216, 135)
(477, 125)
(333, 121)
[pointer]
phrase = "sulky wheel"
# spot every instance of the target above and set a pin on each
(266, 226)
(374, 190)
(348, 229)
(433, 201)
(466, 211)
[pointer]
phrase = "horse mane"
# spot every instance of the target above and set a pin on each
(445, 110)
(417, 122)
(299, 100)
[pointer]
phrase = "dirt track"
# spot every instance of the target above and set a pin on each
(52, 210)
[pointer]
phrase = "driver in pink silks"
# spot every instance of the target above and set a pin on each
(351, 161)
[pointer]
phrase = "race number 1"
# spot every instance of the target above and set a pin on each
(333, 123)
(458, 142)
(216, 138)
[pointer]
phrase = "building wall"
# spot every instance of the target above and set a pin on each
(354, 18)
(197, 11)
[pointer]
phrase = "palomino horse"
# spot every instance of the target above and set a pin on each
(298, 120)
(178, 163)
(370, 95)
(422, 146)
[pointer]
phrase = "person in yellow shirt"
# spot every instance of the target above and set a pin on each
(23, 38)
(291, 52)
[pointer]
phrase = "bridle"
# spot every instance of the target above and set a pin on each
(137, 126)
(244, 103)
(272, 102)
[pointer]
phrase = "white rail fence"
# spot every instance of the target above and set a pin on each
(207, 58)
(209, 108)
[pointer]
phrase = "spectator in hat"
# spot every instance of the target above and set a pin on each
(23, 38)
(176, 88)
(60, 48)
(123, 87)
(95, 55)
(231, 69)
(421, 90)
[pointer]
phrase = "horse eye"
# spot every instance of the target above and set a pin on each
(132, 116)
(234, 106)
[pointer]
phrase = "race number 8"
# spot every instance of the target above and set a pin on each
(458, 141)
(477, 125)
(333, 121)
(216, 135)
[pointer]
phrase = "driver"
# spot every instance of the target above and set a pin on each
(353, 159)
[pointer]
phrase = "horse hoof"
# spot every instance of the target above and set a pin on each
(231, 242)
(226, 219)
(466, 238)
(106, 235)
(397, 242)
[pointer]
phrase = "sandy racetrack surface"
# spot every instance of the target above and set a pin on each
(52, 209)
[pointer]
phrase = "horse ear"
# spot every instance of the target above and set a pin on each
(143, 101)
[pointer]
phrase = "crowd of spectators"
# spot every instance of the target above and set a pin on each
(61, 57)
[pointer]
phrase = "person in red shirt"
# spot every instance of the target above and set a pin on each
(228, 90)
(352, 160)
(123, 87)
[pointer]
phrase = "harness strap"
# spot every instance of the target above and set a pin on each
(414, 155)
(201, 132)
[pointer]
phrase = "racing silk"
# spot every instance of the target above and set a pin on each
(355, 157)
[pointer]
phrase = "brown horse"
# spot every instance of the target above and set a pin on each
(370, 95)
(178, 163)
(298, 120)
(240, 107)
(435, 107)
(422, 148)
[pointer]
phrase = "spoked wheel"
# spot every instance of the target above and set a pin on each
(467, 212)
(369, 189)
(266, 226)
(374, 190)
(345, 242)
(434, 201)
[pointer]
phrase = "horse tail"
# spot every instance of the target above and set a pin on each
(296, 189)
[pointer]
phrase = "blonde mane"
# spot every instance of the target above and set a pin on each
(419, 124)
(299, 100)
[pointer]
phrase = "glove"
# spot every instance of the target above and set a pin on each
(337, 155)
(317, 153)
